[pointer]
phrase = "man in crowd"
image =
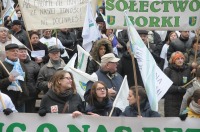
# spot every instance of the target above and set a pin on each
(108, 74)
(55, 63)
(33, 70)
(10, 83)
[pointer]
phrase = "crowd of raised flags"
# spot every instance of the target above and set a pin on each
(90, 34)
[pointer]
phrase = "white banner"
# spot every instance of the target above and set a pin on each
(154, 15)
(54, 14)
(18, 122)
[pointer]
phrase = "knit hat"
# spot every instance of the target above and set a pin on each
(16, 22)
(99, 19)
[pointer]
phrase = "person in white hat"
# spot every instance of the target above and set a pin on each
(107, 73)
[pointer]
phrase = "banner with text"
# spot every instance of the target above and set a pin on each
(18, 122)
(154, 15)
(54, 14)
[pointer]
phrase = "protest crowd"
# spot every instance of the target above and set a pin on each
(46, 65)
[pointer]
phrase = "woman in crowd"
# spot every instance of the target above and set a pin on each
(190, 91)
(101, 47)
(37, 45)
(132, 109)
(180, 74)
(193, 109)
(172, 36)
(62, 96)
(99, 103)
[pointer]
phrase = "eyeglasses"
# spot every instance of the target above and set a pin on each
(68, 78)
(100, 88)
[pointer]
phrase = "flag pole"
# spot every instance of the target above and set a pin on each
(2, 102)
(196, 48)
(20, 89)
(56, 37)
(136, 84)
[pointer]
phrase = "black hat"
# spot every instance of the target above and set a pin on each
(22, 47)
(16, 22)
(54, 49)
(11, 46)
(142, 32)
(99, 19)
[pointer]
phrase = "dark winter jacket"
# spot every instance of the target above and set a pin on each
(32, 73)
(17, 97)
(103, 108)
(68, 39)
(179, 44)
(41, 46)
(51, 99)
(174, 96)
(125, 67)
(132, 111)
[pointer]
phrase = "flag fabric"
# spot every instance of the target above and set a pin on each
(82, 58)
(81, 78)
(121, 99)
(10, 11)
(90, 30)
(71, 63)
(15, 40)
(156, 83)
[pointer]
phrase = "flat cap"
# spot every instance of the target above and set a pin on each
(142, 32)
(16, 22)
(11, 46)
(53, 49)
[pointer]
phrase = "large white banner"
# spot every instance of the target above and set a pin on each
(54, 14)
(154, 14)
(19, 122)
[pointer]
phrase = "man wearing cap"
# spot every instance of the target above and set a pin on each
(55, 63)
(4, 40)
(102, 26)
(20, 33)
(33, 70)
(51, 41)
(8, 83)
(108, 74)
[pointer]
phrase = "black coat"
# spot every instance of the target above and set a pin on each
(125, 67)
(17, 97)
(174, 96)
(132, 111)
(52, 99)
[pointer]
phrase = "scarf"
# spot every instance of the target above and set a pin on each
(17, 67)
(195, 107)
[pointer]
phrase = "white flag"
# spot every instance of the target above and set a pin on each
(81, 78)
(90, 31)
(71, 63)
(156, 83)
(82, 58)
(16, 41)
(121, 99)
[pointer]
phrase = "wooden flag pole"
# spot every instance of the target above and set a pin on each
(2, 102)
(196, 48)
(136, 84)
(20, 89)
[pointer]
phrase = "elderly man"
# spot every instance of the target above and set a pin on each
(33, 70)
(4, 40)
(108, 74)
(9, 83)
(55, 63)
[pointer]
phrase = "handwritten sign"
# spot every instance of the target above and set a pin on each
(54, 14)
